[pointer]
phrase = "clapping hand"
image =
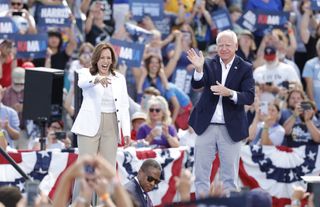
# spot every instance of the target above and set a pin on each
(220, 89)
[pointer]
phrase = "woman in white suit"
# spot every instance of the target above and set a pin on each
(104, 112)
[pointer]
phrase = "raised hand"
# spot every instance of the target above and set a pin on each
(196, 60)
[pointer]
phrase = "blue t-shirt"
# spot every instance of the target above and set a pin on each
(182, 97)
(312, 70)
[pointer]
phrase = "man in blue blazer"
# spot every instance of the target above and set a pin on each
(219, 118)
(148, 177)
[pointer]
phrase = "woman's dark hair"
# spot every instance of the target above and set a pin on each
(96, 56)
(147, 61)
(55, 33)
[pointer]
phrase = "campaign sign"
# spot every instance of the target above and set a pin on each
(7, 28)
(31, 46)
(4, 5)
(53, 16)
(248, 20)
(266, 19)
(129, 52)
(315, 5)
(222, 19)
(141, 8)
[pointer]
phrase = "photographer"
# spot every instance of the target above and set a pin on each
(265, 128)
(302, 127)
(55, 139)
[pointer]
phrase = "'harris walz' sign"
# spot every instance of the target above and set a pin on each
(31, 46)
(53, 16)
(129, 52)
(141, 8)
(7, 28)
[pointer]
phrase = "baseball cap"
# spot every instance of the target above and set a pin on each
(246, 32)
(138, 115)
(27, 65)
(270, 53)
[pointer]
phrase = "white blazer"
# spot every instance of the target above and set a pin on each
(88, 119)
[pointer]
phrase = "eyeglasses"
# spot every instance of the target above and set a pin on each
(152, 179)
(16, 3)
(154, 110)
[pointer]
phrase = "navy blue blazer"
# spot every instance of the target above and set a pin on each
(239, 79)
(135, 190)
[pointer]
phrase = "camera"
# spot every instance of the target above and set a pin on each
(60, 135)
(16, 13)
(305, 105)
(89, 169)
(285, 84)
(32, 191)
(264, 108)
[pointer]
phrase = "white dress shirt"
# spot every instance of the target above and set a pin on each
(218, 116)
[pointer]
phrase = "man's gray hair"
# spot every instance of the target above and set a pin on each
(229, 33)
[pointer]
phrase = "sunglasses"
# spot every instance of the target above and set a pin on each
(16, 3)
(154, 110)
(152, 179)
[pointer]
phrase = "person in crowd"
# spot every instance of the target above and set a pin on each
(148, 93)
(147, 179)
(201, 20)
(13, 97)
(9, 121)
(272, 74)
(96, 175)
(97, 28)
(182, 73)
(302, 127)
(21, 16)
(137, 119)
(294, 98)
(235, 13)
(286, 47)
(53, 139)
(8, 61)
(57, 56)
(104, 112)
(265, 128)
(185, 106)
(247, 46)
(228, 85)
(311, 76)
(212, 51)
(158, 129)
(85, 53)
(153, 73)
(309, 38)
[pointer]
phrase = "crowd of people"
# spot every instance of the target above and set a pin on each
(197, 85)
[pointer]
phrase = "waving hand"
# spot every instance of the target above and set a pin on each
(196, 60)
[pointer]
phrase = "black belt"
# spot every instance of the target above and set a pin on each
(214, 123)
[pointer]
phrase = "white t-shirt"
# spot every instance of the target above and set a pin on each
(275, 74)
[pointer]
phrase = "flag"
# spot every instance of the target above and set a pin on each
(274, 169)
(44, 166)
(278, 169)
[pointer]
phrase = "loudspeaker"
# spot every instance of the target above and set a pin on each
(43, 93)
